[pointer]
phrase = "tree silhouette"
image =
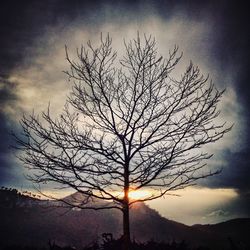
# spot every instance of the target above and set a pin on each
(128, 124)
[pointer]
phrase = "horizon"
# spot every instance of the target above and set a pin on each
(175, 201)
(155, 205)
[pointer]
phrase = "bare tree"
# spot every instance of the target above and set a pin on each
(125, 127)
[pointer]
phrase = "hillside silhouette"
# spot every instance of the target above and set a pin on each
(28, 221)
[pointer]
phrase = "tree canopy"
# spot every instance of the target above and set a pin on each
(128, 124)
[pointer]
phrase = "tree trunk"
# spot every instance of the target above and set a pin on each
(126, 227)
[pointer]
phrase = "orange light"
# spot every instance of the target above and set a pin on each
(135, 194)
(139, 194)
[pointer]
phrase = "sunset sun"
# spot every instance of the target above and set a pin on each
(139, 194)
(135, 194)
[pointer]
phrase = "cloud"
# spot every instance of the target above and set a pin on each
(194, 204)
(235, 171)
(8, 95)
(218, 213)
(39, 78)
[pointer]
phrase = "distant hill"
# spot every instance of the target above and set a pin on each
(27, 220)
(234, 232)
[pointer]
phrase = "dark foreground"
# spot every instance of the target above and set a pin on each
(108, 243)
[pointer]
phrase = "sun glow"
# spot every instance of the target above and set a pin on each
(139, 194)
(135, 194)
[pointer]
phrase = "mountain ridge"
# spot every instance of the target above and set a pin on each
(32, 216)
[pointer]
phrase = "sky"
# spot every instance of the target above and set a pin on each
(213, 34)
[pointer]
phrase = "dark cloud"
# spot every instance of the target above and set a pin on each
(23, 21)
(232, 45)
(5, 152)
(7, 91)
(8, 98)
(235, 172)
